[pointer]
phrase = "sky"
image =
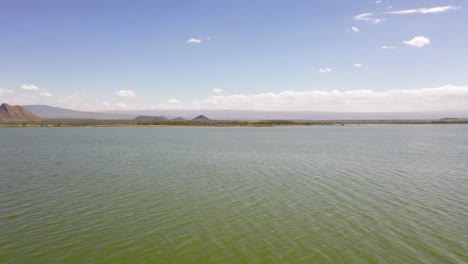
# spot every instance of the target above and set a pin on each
(271, 55)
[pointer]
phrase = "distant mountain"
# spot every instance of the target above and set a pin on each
(16, 113)
(201, 118)
(299, 115)
(150, 118)
(50, 112)
(178, 119)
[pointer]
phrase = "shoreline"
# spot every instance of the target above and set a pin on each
(265, 123)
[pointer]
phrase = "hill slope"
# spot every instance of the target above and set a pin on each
(16, 113)
(201, 118)
(50, 112)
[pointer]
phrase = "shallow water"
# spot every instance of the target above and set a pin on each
(353, 194)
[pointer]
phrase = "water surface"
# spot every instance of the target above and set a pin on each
(353, 194)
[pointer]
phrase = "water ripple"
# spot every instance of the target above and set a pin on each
(367, 194)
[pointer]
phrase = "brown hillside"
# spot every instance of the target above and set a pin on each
(16, 113)
(201, 118)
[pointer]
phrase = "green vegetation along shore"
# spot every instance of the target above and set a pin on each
(219, 123)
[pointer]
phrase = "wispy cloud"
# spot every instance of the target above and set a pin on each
(126, 93)
(72, 100)
(426, 99)
(119, 105)
(442, 98)
(217, 90)
(169, 104)
(357, 65)
(355, 29)
(46, 94)
(368, 17)
(122, 105)
(365, 16)
(432, 10)
(324, 70)
(30, 87)
(418, 42)
(388, 47)
(173, 101)
(194, 41)
(5, 91)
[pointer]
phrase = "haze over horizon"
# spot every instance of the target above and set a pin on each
(335, 56)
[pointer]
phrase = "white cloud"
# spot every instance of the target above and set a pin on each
(169, 104)
(73, 100)
(355, 29)
(442, 98)
(126, 93)
(388, 47)
(217, 90)
(365, 16)
(357, 65)
(426, 99)
(194, 41)
(378, 1)
(105, 105)
(423, 10)
(369, 17)
(377, 20)
(46, 94)
(173, 101)
(122, 105)
(324, 70)
(418, 42)
(30, 87)
(5, 91)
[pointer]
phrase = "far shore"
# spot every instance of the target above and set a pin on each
(223, 123)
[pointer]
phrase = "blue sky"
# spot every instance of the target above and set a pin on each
(262, 55)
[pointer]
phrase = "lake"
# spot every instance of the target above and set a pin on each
(325, 194)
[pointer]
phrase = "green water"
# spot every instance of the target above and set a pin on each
(353, 194)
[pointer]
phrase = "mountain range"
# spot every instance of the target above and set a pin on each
(49, 112)
(16, 113)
